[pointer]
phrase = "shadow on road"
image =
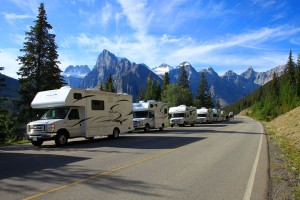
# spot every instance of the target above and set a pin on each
(20, 164)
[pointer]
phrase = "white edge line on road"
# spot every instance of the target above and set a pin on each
(250, 184)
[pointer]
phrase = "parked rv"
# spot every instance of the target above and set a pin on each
(183, 115)
(79, 113)
(203, 116)
(150, 114)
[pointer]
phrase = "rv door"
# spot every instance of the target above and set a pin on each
(75, 123)
(152, 119)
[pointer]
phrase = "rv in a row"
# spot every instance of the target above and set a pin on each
(150, 114)
(183, 115)
(75, 113)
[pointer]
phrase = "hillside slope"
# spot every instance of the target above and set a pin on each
(288, 126)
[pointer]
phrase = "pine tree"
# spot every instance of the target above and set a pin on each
(157, 91)
(150, 89)
(101, 88)
(2, 86)
(140, 96)
(109, 84)
(166, 81)
(39, 65)
(183, 79)
(297, 76)
(218, 104)
(290, 70)
(202, 92)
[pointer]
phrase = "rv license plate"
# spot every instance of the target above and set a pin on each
(34, 138)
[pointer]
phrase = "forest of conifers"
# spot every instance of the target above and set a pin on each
(277, 97)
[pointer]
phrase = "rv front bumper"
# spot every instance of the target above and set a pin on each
(44, 136)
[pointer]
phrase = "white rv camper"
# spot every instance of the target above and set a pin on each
(150, 114)
(183, 115)
(203, 116)
(79, 113)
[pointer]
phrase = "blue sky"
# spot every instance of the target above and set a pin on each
(226, 35)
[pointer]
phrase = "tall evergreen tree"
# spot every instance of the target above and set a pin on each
(2, 86)
(140, 96)
(218, 104)
(101, 88)
(183, 78)
(150, 90)
(297, 76)
(166, 81)
(202, 93)
(39, 65)
(157, 91)
(109, 84)
(290, 70)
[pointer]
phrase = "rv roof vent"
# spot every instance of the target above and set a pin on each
(151, 101)
(141, 101)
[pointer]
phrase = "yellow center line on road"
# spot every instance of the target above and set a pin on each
(103, 173)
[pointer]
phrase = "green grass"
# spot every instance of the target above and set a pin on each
(15, 142)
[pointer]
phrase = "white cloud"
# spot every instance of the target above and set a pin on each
(9, 61)
(12, 16)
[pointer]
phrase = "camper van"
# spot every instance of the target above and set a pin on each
(203, 116)
(150, 114)
(183, 115)
(75, 113)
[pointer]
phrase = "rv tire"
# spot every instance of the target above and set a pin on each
(147, 128)
(61, 139)
(116, 133)
(162, 127)
(37, 143)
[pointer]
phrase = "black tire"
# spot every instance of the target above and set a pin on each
(61, 139)
(171, 125)
(115, 134)
(37, 143)
(192, 124)
(162, 127)
(183, 125)
(147, 128)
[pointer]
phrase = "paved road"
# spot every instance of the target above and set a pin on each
(216, 161)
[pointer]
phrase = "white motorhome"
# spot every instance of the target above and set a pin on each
(79, 113)
(215, 115)
(183, 115)
(203, 116)
(150, 114)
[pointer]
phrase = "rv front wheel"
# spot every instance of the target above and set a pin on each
(37, 143)
(61, 139)
(147, 128)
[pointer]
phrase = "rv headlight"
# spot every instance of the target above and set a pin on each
(50, 128)
(28, 128)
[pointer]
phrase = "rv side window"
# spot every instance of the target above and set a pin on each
(97, 105)
(77, 96)
(74, 114)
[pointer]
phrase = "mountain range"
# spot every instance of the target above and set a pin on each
(129, 77)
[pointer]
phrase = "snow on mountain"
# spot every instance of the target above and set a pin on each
(162, 69)
(78, 71)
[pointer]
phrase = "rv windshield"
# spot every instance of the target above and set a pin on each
(140, 114)
(178, 115)
(56, 113)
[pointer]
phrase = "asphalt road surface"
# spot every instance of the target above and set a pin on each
(226, 160)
